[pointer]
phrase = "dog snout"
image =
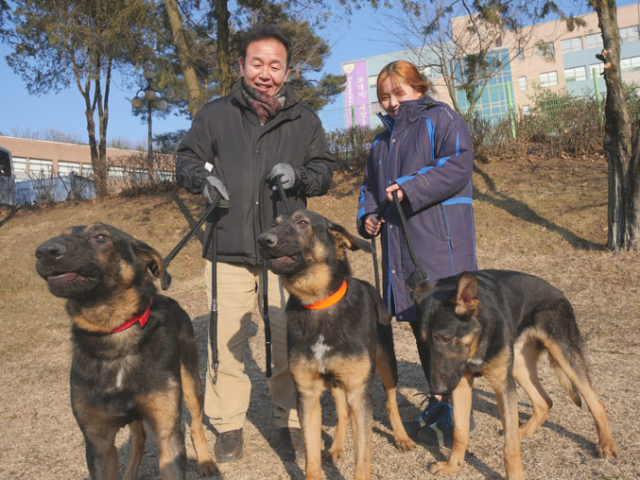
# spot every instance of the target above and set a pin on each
(51, 251)
(268, 240)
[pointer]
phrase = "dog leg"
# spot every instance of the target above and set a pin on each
(577, 373)
(138, 437)
(342, 411)
(310, 412)
(193, 398)
(461, 398)
(163, 412)
(387, 370)
(525, 372)
(507, 400)
(99, 430)
(359, 401)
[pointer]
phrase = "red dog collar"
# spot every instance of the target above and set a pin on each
(142, 318)
(330, 300)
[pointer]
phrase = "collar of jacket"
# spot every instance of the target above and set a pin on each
(408, 112)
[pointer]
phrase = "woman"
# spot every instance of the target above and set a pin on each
(425, 155)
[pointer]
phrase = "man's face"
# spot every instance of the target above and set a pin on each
(265, 65)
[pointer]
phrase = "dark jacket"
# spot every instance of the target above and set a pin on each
(227, 135)
(427, 151)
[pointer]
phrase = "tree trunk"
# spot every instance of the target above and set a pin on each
(624, 201)
(196, 97)
(224, 67)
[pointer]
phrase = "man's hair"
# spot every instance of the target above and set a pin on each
(262, 32)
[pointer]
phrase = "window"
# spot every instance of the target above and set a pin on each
(40, 166)
(138, 175)
(572, 45)
(520, 54)
(522, 81)
(548, 79)
(577, 74)
(19, 164)
(598, 67)
(373, 81)
(165, 176)
(87, 170)
(594, 41)
(526, 110)
(629, 34)
(545, 50)
(630, 64)
(116, 173)
(65, 168)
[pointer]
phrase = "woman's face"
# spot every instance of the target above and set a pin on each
(393, 93)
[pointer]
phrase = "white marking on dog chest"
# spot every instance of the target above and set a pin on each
(320, 350)
(120, 378)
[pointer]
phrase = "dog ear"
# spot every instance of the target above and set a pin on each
(419, 292)
(153, 260)
(343, 238)
(466, 302)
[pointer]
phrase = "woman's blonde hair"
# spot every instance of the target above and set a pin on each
(405, 72)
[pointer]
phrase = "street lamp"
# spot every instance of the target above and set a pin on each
(151, 99)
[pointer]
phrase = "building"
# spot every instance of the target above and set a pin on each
(557, 59)
(39, 157)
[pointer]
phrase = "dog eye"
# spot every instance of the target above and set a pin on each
(101, 237)
(442, 337)
(302, 221)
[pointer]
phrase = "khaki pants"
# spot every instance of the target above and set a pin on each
(226, 402)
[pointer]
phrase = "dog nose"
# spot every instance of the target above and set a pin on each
(54, 250)
(267, 239)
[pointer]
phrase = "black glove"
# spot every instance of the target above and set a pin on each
(287, 175)
(212, 187)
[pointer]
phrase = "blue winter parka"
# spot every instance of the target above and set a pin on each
(427, 151)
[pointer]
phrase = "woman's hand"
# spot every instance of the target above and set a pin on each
(391, 189)
(372, 224)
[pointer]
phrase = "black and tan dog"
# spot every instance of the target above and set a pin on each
(338, 333)
(497, 324)
(134, 351)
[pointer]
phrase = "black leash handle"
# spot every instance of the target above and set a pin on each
(265, 316)
(405, 228)
(210, 208)
(376, 271)
(283, 195)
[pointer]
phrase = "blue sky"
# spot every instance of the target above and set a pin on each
(64, 111)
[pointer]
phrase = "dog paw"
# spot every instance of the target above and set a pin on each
(444, 468)
(333, 454)
(208, 468)
(608, 450)
(404, 444)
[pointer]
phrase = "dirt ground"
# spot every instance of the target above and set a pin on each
(544, 216)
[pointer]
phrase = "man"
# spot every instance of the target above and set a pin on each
(236, 147)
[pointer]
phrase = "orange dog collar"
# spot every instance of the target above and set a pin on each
(331, 300)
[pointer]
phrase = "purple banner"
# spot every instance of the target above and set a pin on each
(356, 95)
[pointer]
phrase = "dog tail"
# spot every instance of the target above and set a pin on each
(565, 382)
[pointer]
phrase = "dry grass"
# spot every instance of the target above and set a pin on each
(539, 215)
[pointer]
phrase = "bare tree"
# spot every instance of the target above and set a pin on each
(621, 143)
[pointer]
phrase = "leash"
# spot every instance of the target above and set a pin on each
(376, 271)
(418, 276)
(265, 273)
(210, 212)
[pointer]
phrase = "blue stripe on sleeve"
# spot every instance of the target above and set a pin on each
(361, 212)
(401, 180)
(442, 161)
(455, 201)
(458, 144)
